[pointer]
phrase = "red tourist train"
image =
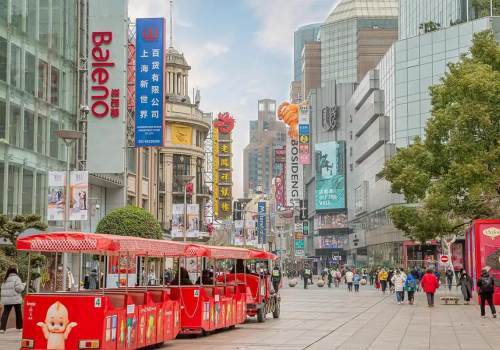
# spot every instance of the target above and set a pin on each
(140, 314)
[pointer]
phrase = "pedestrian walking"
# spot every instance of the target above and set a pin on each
(410, 287)
(429, 285)
(337, 275)
(398, 280)
(276, 278)
(349, 279)
(330, 278)
(306, 274)
(486, 289)
(465, 283)
(11, 297)
(383, 276)
(390, 273)
(415, 272)
(356, 279)
(372, 277)
(449, 278)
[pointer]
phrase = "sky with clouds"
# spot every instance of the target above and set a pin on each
(240, 51)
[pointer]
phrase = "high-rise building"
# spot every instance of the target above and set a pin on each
(266, 135)
(295, 91)
(302, 35)
(354, 37)
(311, 68)
(38, 74)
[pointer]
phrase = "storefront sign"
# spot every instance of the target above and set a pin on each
(222, 165)
(294, 173)
(107, 25)
(304, 137)
(149, 71)
(261, 222)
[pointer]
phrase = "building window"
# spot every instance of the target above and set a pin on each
(29, 73)
(145, 204)
(44, 23)
(13, 190)
(14, 127)
(145, 163)
(15, 65)
(40, 135)
(16, 16)
(54, 86)
(199, 175)
(27, 196)
(3, 54)
(261, 106)
(31, 14)
(29, 130)
(54, 140)
(43, 78)
(130, 200)
(40, 193)
(131, 160)
(181, 166)
(3, 118)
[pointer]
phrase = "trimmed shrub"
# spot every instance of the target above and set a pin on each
(130, 221)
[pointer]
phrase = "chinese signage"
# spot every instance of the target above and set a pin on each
(279, 191)
(280, 155)
(107, 64)
(304, 137)
(299, 247)
(79, 189)
(149, 68)
(222, 166)
(261, 222)
(193, 220)
(294, 173)
(330, 175)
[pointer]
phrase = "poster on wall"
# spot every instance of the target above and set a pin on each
(251, 236)
(330, 221)
(294, 173)
(79, 181)
(57, 195)
(238, 233)
(149, 71)
(118, 267)
(193, 221)
(107, 91)
(330, 175)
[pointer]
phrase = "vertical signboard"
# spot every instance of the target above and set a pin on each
(330, 175)
(304, 136)
(279, 191)
(57, 196)
(193, 220)
(222, 165)
(79, 183)
(149, 68)
(261, 222)
(299, 247)
(106, 138)
(294, 173)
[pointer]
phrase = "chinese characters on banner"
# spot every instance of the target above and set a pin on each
(304, 137)
(79, 189)
(149, 56)
(222, 166)
(261, 222)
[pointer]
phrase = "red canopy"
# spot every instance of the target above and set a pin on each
(261, 255)
(99, 243)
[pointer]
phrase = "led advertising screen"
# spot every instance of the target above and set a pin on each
(330, 175)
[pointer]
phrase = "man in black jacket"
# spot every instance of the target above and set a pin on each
(486, 289)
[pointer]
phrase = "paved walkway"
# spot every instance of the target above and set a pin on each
(322, 318)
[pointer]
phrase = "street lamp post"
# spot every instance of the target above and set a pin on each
(69, 137)
(185, 180)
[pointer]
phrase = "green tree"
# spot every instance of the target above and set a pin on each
(482, 7)
(453, 176)
(130, 221)
(11, 229)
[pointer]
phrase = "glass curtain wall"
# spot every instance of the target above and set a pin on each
(37, 96)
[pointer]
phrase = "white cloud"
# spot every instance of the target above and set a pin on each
(280, 18)
(215, 49)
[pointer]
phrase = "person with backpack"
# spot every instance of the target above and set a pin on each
(11, 297)
(429, 284)
(356, 280)
(449, 278)
(306, 274)
(410, 287)
(486, 289)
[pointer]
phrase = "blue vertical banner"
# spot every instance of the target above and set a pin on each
(261, 222)
(149, 72)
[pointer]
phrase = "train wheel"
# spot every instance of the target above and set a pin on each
(261, 314)
(276, 311)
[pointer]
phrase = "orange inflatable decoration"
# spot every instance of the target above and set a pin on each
(289, 114)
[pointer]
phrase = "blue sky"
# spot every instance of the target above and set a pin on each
(240, 51)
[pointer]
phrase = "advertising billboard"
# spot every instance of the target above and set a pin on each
(57, 195)
(330, 175)
(330, 221)
(294, 173)
(79, 183)
(107, 64)
(193, 221)
(279, 191)
(261, 222)
(181, 134)
(332, 241)
(280, 155)
(149, 72)
(79, 190)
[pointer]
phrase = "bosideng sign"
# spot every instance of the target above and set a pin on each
(106, 138)
(294, 173)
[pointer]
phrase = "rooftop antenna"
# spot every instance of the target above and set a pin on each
(171, 24)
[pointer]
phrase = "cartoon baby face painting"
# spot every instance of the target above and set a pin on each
(57, 326)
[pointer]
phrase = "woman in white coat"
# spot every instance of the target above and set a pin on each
(11, 297)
